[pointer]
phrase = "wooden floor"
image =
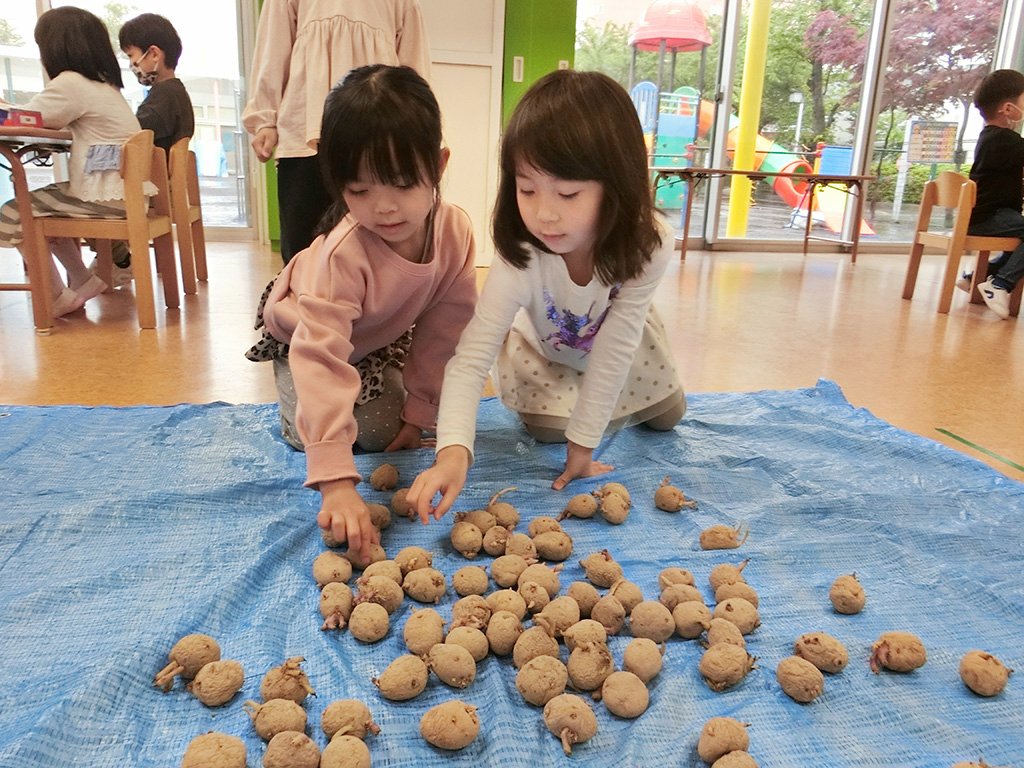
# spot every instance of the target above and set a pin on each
(738, 322)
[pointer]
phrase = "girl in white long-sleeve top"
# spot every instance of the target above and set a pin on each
(566, 310)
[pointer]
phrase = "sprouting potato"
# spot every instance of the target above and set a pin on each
(847, 594)
(345, 752)
(217, 682)
(652, 620)
(380, 516)
(582, 505)
(384, 477)
(555, 546)
(214, 750)
(571, 719)
(614, 508)
(542, 524)
(274, 716)
(466, 539)
(452, 725)
(738, 589)
(369, 622)
(331, 567)
(534, 595)
(534, 642)
(721, 735)
(725, 573)
(507, 569)
(404, 679)
(541, 679)
(691, 619)
(898, 651)
(585, 595)
(502, 632)
(411, 558)
(481, 518)
(671, 499)
(735, 759)
(617, 488)
(347, 717)
(800, 680)
(291, 749)
(601, 569)
(643, 657)
(724, 631)
(287, 681)
(625, 694)
(724, 665)
(471, 611)
(608, 611)
(674, 575)
(335, 605)
(823, 651)
(424, 585)
(471, 580)
(723, 537)
(387, 568)
(504, 513)
(739, 612)
(558, 615)
(983, 673)
(674, 594)
(472, 639)
(507, 600)
(359, 562)
(187, 656)
(543, 575)
(400, 504)
(422, 631)
(452, 664)
(629, 594)
(589, 664)
(495, 540)
(380, 590)
(584, 631)
(521, 545)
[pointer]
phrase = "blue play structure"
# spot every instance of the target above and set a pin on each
(670, 133)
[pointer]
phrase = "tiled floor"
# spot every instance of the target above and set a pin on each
(738, 322)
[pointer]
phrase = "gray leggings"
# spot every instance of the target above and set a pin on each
(379, 420)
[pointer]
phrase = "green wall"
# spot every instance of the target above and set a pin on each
(543, 32)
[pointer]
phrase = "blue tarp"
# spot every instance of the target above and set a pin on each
(126, 528)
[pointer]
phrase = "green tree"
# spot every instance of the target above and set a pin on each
(9, 35)
(114, 15)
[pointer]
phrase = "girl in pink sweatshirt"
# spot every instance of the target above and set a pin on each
(360, 325)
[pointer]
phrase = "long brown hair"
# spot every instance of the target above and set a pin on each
(581, 126)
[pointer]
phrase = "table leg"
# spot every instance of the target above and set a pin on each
(858, 216)
(810, 211)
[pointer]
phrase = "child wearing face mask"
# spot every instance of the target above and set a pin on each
(998, 171)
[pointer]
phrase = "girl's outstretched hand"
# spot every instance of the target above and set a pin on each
(446, 477)
(409, 436)
(579, 462)
(344, 513)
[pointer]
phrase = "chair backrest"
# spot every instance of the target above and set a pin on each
(949, 189)
(182, 172)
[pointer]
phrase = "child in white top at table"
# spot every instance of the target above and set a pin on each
(84, 97)
(566, 308)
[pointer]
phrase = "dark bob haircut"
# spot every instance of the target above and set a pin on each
(581, 126)
(998, 87)
(385, 119)
(151, 29)
(71, 39)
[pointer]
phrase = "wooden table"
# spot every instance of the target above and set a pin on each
(855, 185)
(19, 145)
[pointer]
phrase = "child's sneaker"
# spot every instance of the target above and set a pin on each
(997, 299)
(91, 288)
(67, 302)
(119, 276)
(964, 281)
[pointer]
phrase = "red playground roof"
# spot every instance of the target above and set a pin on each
(678, 23)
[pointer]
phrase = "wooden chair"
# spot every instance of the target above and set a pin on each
(956, 192)
(187, 212)
(146, 220)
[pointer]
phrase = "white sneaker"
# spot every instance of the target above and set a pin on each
(91, 288)
(964, 281)
(997, 299)
(67, 302)
(119, 276)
